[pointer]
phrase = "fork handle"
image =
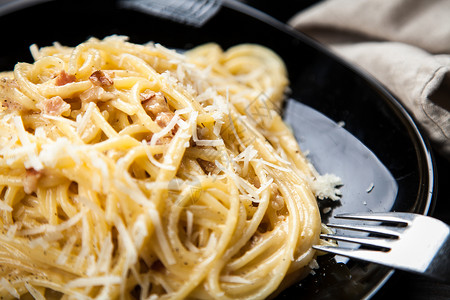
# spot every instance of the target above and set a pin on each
(439, 267)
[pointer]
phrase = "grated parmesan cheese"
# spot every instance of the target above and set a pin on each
(324, 186)
(139, 231)
(47, 228)
(41, 242)
(94, 281)
(9, 288)
(105, 256)
(28, 146)
(4, 206)
(34, 292)
(199, 142)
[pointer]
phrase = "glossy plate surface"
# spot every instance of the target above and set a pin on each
(378, 152)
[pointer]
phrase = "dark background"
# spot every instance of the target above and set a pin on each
(401, 285)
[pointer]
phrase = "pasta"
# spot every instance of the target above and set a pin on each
(137, 172)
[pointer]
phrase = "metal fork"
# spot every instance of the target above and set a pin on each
(404, 241)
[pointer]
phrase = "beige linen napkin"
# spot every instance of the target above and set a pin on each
(405, 44)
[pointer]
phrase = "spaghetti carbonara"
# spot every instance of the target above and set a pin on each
(135, 172)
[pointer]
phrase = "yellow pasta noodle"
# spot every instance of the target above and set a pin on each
(137, 172)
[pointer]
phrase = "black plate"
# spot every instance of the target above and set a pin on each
(398, 163)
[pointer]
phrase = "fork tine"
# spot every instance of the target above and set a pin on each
(421, 245)
(397, 217)
(378, 229)
(368, 241)
(359, 254)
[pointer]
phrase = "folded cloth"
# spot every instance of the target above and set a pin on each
(405, 44)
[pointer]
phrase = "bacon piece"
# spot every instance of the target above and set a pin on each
(155, 104)
(100, 78)
(163, 118)
(64, 78)
(31, 180)
(207, 166)
(54, 106)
